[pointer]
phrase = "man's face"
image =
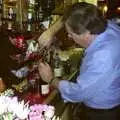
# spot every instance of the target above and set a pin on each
(81, 39)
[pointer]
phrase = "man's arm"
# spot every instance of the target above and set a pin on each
(46, 37)
(96, 76)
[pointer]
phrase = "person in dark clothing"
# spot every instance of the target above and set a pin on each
(7, 49)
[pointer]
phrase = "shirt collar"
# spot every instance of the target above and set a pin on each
(98, 38)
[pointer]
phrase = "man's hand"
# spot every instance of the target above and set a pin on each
(45, 72)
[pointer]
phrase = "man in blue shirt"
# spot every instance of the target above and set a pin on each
(98, 83)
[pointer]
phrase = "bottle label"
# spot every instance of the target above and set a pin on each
(29, 27)
(9, 25)
(29, 16)
(44, 89)
(58, 72)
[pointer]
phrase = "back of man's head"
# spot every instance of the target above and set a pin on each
(85, 16)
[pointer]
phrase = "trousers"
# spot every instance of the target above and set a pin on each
(88, 113)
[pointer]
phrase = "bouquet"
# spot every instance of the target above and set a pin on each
(13, 109)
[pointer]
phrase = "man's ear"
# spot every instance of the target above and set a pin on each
(87, 35)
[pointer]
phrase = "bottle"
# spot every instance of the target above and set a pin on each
(67, 66)
(32, 86)
(10, 18)
(29, 26)
(31, 14)
(9, 25)
(44, 87)
(10, 13)
(58, 68)
(33, 95)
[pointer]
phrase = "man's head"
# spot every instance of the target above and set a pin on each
(83, 20)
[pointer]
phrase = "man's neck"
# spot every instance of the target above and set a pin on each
(92, 38)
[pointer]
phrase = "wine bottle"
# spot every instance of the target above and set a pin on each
(44, 87)
(67, 66)
(30, 15)
(58, 68)
(33, 86)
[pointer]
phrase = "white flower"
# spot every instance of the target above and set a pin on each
(3, 105)
(20, 109)
(12, 105)
(49, 112)
(8, 92)
(23, 110)
(11, 108)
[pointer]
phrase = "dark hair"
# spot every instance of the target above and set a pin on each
(84, 16)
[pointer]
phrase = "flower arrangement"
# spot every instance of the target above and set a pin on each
(41, 112)
(8, 92)
(13, 109)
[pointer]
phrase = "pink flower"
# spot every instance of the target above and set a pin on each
(41, 112)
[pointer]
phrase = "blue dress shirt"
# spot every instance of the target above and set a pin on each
(98, 83)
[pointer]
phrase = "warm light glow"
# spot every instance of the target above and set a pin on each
(105, 8)
(118, 8)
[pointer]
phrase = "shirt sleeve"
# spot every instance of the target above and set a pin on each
(95, 76)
